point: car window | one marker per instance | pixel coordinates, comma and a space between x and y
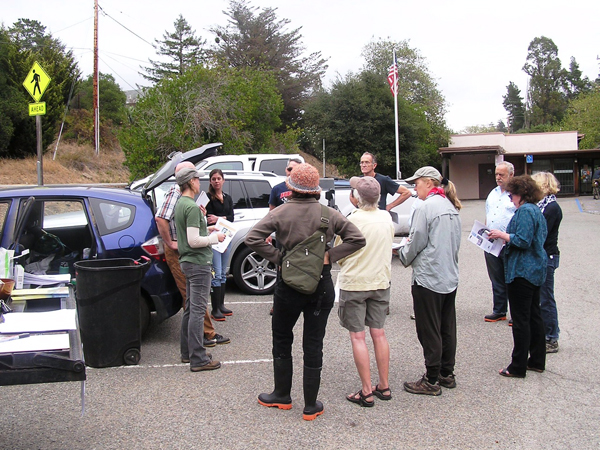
112, 216
63, 214
238, 195
258, 192
273, 165
225, 165
3, 211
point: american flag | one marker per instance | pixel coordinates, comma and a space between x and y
393, 77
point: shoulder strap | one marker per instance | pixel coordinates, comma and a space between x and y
324, 217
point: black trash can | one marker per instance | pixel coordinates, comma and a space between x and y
108, 307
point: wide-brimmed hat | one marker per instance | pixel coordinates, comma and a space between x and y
368, 188
304, 179
426, 172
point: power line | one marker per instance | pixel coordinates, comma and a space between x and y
136, 35
115, 72
70, 26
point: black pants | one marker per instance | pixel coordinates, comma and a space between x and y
528, 327
435, 318
288, 304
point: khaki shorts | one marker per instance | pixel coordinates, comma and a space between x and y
363, 308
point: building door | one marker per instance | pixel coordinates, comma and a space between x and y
487, 179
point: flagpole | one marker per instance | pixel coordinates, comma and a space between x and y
398, 173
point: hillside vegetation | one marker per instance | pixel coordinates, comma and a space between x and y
77, 164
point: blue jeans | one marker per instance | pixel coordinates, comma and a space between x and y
288, 304
220, 266
495, 268
547, 301
197, 281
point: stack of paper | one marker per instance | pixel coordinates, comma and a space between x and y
45, 280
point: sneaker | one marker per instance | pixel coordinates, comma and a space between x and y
210, 342
221, 339
551, 346
494, 317
210, 366
448, 382
423, 386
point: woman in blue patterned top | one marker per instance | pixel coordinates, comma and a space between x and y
525, 271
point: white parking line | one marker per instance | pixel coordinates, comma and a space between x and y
160, 366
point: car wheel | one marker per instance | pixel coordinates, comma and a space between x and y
253, 274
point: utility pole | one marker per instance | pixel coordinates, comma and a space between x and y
95, 83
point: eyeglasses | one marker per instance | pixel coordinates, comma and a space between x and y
510, 196
365, 163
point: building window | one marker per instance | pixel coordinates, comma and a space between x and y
563, 171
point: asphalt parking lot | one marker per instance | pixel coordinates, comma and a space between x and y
161, 404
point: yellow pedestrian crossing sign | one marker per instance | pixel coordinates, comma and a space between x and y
36, 82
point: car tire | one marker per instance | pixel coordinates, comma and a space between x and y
253, 274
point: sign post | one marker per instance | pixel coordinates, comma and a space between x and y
36, 83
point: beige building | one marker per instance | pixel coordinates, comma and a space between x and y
470, 159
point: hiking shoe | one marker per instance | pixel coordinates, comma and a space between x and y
210, 342
551, 346
221, 339
448, 382
494, 317
210, 366
423, 386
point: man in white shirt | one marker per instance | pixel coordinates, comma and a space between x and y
499, 209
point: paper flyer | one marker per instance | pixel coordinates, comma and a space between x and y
479, 236
229, 229
202, 199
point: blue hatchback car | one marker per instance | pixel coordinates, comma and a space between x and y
60, 225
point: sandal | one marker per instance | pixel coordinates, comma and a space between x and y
506, 373
379, 393
362, 399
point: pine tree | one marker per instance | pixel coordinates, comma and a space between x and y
181, 47
513, 104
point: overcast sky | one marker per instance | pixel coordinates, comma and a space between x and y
473, 48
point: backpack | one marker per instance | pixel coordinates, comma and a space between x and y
301, 267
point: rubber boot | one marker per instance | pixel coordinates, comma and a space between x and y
280, 397
215, 299
224, 311
312, 382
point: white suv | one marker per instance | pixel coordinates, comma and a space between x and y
250, 192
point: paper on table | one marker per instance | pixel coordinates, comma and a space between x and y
229, 229
44, 280
37, 343
38, 322
26, 294
479, 236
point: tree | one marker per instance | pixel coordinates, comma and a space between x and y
575, 84
258, 39
357, 114
513, 104
181, 47
583, 115
23, 43
546, 87
238, 107
112, 99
